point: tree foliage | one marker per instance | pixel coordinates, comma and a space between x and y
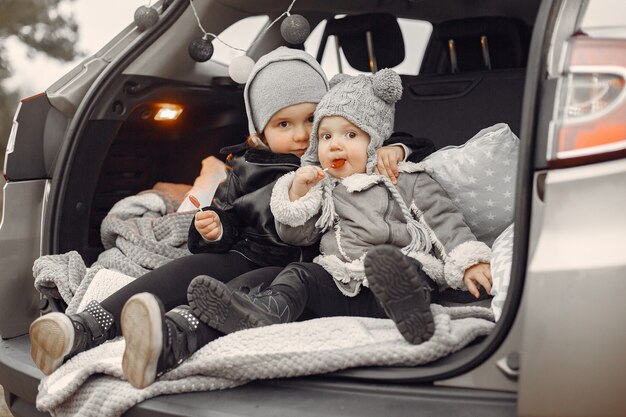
44, 26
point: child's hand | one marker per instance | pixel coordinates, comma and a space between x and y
478, 275
388, 158
304, 180
208, 224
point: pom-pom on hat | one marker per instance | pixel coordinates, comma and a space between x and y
367, 101
280, 79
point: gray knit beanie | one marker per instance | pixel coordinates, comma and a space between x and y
280, 79
367, 101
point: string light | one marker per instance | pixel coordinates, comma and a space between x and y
145, 17
294, 29
240, 68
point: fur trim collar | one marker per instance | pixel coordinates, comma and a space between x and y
411, 167
360, 182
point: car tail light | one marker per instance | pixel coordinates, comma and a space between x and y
589, 121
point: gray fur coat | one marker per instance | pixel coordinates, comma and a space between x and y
367, 215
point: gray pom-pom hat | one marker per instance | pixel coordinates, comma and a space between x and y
280, 79
367, 101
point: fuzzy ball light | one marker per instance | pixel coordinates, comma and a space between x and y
200, 49
295, 29
145, 17
240, 68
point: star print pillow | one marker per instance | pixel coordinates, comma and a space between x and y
479, 176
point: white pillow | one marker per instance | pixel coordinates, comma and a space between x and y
501, 257
479, 176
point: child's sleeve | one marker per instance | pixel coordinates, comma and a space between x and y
453, 241
295, 220
418, 148
225, 195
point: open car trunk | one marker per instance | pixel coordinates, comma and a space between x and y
118, 150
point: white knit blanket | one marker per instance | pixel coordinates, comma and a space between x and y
92, 384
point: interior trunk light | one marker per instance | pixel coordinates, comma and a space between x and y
590, 115
168, 112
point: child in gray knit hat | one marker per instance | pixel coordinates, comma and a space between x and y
336, 199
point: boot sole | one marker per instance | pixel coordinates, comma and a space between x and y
394, 281
213, 303
51, 339
142, 327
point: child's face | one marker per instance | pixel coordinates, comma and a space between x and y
341, 141
289, 129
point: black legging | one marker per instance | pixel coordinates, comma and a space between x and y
170, 281
309, 286
312, 292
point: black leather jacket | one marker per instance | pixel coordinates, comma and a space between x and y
242, 202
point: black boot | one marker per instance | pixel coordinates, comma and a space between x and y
229, 310
155, 342
403, 289
56, 337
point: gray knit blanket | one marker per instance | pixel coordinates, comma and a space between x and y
92, 384
139, 234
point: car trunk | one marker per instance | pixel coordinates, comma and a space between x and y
119, 150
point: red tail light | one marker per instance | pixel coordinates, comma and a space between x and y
589, 121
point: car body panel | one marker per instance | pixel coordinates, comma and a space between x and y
574, 338
20, 233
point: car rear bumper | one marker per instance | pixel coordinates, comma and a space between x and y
311, 396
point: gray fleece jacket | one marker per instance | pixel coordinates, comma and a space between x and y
368, 214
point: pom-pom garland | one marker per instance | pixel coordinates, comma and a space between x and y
240, 68
294, 29
145, 17
200, 49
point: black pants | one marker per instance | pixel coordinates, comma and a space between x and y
311, 292
309, 286
169, 282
